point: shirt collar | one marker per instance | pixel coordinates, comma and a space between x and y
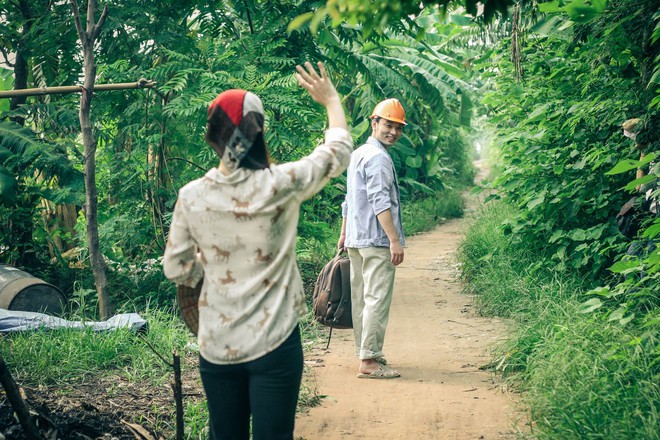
238, 175
373, 141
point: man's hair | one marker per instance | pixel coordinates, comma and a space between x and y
378, 118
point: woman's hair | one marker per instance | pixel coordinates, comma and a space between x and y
236, 117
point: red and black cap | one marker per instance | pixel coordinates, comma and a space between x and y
236, 119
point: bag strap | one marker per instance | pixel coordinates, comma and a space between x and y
329, 337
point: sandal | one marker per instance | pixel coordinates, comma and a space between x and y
381, 373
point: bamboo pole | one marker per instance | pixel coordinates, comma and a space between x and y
140, 84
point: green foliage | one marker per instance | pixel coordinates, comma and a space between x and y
427, 75
502, 272
582, 377
578, 11
196, 415
32, 168
584, 302
634, 293
6, 83
374, 16
24, 154
558, 138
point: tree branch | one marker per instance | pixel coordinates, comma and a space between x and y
76, 16
142, 83
99, 24
186, 160
91, 9
249, 17
155, 351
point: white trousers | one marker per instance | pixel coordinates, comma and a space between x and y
372, 283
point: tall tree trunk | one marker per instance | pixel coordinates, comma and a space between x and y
21, 62
23, 230
156, 181
88, 38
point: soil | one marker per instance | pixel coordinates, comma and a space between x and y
105, 408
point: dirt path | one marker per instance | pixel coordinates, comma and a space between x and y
437, 343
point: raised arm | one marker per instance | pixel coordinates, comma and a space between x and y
322, 91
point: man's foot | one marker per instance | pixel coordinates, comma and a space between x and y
375, 369
381, 373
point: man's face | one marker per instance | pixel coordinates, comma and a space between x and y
387, 132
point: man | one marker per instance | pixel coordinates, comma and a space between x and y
372, 233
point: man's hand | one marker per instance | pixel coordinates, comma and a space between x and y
396, 252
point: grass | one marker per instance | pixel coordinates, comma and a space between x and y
425, 214
583, 377
64, 356
589, 382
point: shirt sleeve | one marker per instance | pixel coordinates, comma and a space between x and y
180, 262
310, 174
379, 179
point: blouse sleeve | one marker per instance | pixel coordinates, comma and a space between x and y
180, 262
328, 160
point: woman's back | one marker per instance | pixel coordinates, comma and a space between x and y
235, 229
244, 227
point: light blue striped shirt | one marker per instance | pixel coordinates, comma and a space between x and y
372, 187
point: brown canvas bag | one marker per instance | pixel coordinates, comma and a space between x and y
331, 301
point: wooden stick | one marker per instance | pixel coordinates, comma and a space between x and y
140, 84
178, 396
17, 402
177, 387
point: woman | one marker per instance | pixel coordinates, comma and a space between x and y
236, 229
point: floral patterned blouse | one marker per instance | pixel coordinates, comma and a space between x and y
238, 232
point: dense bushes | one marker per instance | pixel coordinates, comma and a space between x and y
585, 343
581, 376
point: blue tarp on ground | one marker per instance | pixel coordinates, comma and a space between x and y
15, 321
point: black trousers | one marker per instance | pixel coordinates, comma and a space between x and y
266, 388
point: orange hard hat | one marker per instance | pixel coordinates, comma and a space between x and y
390, 109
